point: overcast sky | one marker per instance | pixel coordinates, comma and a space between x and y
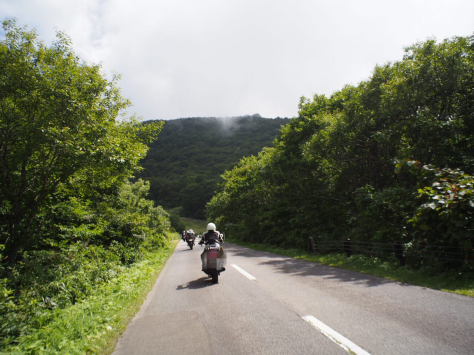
201, 58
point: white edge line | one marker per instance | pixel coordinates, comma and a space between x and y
335, 336
243, 272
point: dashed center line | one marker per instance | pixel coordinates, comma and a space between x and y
243, 272
335, 336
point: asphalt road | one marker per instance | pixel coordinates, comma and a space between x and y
292, 307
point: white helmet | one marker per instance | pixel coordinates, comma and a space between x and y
211, 227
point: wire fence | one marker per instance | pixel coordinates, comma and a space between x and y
405, 253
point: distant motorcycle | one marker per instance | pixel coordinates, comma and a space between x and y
213, 260
190, 240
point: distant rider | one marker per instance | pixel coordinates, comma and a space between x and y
189, 234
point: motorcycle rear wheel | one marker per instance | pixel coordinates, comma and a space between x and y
215, 276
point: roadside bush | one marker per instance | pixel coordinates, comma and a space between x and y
48, 280
89, 326
176, 223
446, 212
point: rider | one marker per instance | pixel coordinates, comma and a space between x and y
211, 236
189, 233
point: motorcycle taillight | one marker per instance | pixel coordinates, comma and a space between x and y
212, 253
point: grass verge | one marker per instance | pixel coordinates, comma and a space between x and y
457, 282
94, 325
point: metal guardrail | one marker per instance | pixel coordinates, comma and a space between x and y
402, 252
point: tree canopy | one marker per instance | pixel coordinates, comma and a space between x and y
185, 164
61, 129
390, 159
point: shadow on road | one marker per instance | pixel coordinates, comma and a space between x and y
296, 267
196, 284
186, 247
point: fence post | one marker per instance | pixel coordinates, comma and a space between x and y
398, 248
311, 245
347, 247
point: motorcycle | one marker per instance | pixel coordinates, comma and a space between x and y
214, 260
190, 240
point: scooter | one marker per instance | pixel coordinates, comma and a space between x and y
214, 260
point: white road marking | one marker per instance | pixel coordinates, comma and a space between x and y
335, 336
243, 272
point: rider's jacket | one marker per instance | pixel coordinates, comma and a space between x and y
211, 237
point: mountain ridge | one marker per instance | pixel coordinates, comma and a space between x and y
184, 164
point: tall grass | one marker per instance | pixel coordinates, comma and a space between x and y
93, 325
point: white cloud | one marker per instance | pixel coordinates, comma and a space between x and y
183, 58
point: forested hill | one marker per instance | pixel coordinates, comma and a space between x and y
185, 163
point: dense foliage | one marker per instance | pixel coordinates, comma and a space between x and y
70, 219
185, 164
390, 159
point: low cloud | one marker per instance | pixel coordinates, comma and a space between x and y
188, 58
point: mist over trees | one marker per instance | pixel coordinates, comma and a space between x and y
390, 159
185, 164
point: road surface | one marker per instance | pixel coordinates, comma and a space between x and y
270, 304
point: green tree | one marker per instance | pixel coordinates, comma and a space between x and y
61, 127
349, 165
446, 215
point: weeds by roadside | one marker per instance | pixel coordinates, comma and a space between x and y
93, 325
